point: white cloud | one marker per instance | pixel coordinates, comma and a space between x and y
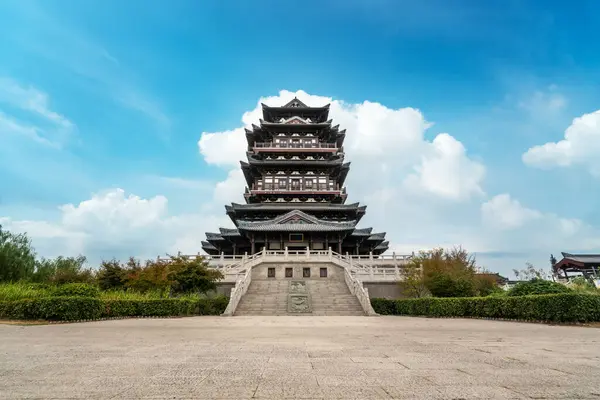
544, 103
580, 146
381, 142
510, 225
446, 171
224, 149
44, 125
113, 224
503, 212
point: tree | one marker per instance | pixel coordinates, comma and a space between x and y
487, 284
111, 275
17, 257
151, 277
71, 270
192, 275
412, 282
530, 273
552, 261
448, 273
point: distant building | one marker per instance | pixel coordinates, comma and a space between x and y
587, 265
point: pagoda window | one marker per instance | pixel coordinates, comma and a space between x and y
322, 183
308, 183
282, 183
296, 237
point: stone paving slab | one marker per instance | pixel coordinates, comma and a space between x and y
299, 358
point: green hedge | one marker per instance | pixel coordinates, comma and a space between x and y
76, 289
52, 308
567, 307
83, 308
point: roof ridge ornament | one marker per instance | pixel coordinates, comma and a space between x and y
295, 103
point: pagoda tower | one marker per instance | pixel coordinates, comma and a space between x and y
295, 196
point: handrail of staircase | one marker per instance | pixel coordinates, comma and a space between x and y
240, 289
356, 287
241, 284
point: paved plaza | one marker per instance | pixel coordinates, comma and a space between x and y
299, 357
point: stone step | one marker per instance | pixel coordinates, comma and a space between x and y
328, 296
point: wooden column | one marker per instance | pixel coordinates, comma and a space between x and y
234, 249
339, 244
253, 248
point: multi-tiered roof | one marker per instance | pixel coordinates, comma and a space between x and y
295, 195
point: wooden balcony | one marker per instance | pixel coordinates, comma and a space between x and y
296, 190
295, 147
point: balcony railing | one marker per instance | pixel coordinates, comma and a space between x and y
284, 145
297, 189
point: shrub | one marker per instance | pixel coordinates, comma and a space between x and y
80, 308
564, 307
212, 305
445, 273
164, 307
21, 290
538, 286
52, 308
76, 289
62, 270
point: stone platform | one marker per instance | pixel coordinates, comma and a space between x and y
299, 357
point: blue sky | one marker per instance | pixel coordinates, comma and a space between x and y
103, 107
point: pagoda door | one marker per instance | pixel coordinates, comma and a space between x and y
295, 184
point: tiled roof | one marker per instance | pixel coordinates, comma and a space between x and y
296, 221
383, 246
377, 236
362, 232
208, 246
229, 232
294, 206
582, 258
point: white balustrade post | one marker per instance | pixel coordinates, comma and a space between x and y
397, 272
222, 257
243, 261
264, 252
307, 252
285, 253
330, 254
370, 256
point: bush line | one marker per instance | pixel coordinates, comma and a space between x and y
566, 307
88, 308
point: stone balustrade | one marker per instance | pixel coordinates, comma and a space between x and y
366, 268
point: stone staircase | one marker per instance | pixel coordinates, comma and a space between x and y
271, 296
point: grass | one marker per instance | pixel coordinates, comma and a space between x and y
19, 291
